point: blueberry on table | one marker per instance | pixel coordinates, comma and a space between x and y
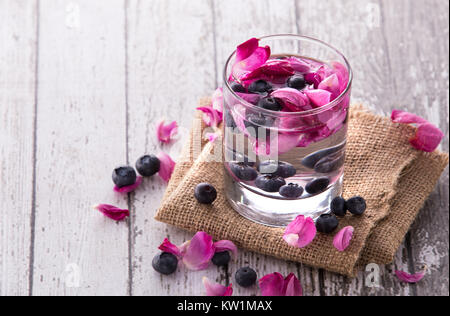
259, 86
205, 193
148, 165
327, 223
165, 263
124, 176
317, 186
338, 206
246, 277
296, 82
291, 191
243, 171
269, 183
237, 87
221, 259
269, 103
356, 205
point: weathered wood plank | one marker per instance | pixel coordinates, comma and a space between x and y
17, 100
80, 139
170, 66
237, 21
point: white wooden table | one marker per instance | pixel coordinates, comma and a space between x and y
84, 82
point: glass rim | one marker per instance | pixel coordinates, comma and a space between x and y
301, 113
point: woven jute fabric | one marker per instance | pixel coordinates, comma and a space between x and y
394, 178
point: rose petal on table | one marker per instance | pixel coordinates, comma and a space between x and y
318, 97
292, 286
225, 245
112, 211
211, 117
403, 117
410, 278
216, 289
167, 165
198, 252
342, 239
129, 188
167, 246
300, 232
272, 285
217, 100
166, 132
292, 99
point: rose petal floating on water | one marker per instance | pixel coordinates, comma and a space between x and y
166, 132
342, 239
129, 188
313, 78
211, 117
427, 137
217, 100
299, 65
249, 97
318, 97
215, 289
276, 285
246, 49
112, 212
301, 232
271, 70
410, 278
342, 74
253, 62
166, 166
331, 84
293, 99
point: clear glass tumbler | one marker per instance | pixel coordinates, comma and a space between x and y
301, 151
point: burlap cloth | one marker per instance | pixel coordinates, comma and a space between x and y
381, 166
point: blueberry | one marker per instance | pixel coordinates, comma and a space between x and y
148, 165
256, 123
165, 263
237, 87
330, 163
269, 183
221, 259
317, 186
286, 170
356, 205
338, 207
327, 223
269, 103
260, 86
282, 169
242, 171
291, 191
246, 277
124, 176
205, 193
296, 82
238, 157
311, 160
268, 167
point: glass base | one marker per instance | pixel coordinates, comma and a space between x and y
278, 212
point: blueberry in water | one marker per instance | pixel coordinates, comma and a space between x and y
330, 163
259, 86
246, 277
256, 123
269, 183
291, 191
338, 206
205, 193
221, 259
317, 186
243, 171
268, 167
124, 176
311, 160
327, 223
148, 165
282, 169
286, 170
165, 263
237, 87
269, 103
356, 205
296, 82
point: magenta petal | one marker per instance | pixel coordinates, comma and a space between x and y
165, 133
313, 78
272, 285
129, 188
271, 70
342, 74
292, 286
299, 65
166, 166
215, 289
398, 116
427, 138
331, 84
211, 117
318, 97
246, 49
410, 278
301, 232
112, 212
292, 99
217, 100
258, 58
198, 252
342, 239
250, 97
225, 245
167, 246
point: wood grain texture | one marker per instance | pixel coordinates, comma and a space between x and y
81, 137
17, 100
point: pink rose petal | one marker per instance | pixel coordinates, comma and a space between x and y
271, 70
217, 100
211, 117
318, 97
299, 65
275, 285
313, 78
225, 245
246, 49
198, 252
167, 165
112, 212
398, 116
167, 246
253, 62
410, 278
215, 289
166, 132
342, 239
301, 232
292, 286
331, 84
342, 74
293, 99
129, 188
250, 97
